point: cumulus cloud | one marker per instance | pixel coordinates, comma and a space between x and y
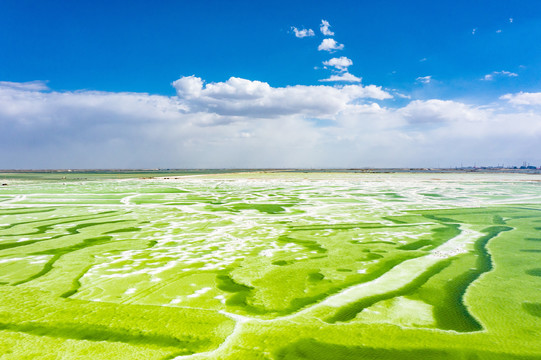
330, 45
324, 27
242, 97
188, 86
424, 79
245, 123
492, 75
345, 77
523, 98
303, 32
342, 63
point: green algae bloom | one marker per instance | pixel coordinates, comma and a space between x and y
271, 266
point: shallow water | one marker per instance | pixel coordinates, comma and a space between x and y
437, 262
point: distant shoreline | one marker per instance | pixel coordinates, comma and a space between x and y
486, 170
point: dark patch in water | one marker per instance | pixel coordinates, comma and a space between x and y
128, 229
311, 349
308, 244
315, 276
371, 256
534, 272
281, 263
415, 245
441, 219
497, 219
99, 333
532, 308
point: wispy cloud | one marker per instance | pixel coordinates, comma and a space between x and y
494, 74
474, 31
424, 79
330, 45
343, 77
400, 95
37, 85
438, 111
303, 32
324, 28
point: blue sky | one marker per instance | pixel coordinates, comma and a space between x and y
411, 67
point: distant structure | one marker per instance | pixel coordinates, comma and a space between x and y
525, 166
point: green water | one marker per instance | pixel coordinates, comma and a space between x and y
270, 266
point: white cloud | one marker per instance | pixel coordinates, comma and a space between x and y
244, 123
324, 27
344, 77
498, 31
37, 85
303, 32
400, 95
510, 20
188, 86
438, 111
494, 74
330, 45
241, 97
474, 31
342, 63
523, 98
506, 73
424, 79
